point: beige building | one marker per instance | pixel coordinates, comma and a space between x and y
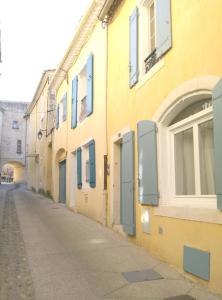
13, 140
39, 137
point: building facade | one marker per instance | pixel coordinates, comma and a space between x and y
134, 123
13, 140
164, 120
39, 138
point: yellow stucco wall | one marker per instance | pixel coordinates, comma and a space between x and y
195, 53
39, 150
89, 201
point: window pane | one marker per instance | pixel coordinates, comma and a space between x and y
184, 163
206, 143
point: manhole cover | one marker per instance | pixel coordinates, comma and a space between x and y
144, 275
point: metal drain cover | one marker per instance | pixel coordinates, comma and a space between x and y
144, 275
181, 297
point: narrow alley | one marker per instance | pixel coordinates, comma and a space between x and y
48, 252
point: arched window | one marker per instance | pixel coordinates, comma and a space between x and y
187, 137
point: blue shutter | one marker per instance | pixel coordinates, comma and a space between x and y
89, 95
74, 102
92, 164
57, 116
217, 114
163, 26
147, 163
127, 183
79, 168
64, 107
133, 63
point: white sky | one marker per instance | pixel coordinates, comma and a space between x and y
35, 36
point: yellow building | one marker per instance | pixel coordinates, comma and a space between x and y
39, 138
164, 112
79, 145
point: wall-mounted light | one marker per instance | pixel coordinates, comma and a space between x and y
40, 133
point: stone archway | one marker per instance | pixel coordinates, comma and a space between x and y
13, 171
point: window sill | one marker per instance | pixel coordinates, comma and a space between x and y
206, 215
143, 79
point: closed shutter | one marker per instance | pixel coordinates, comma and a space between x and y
57, 116
217, 117
133, 59
79, 168
74, 102
163, 26
127, 183
92, 164
64, 107
89, 95
147, 163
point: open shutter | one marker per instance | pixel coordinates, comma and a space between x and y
147, 163
92, 165
89, 95
79, 168
127, 183
64, 107
133, 63
74, 102
217, 117
163, 26
57, 116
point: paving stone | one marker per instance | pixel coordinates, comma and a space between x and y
143, 275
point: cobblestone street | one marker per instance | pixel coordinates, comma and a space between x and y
15, 276
49, 253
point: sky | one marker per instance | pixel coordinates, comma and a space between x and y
35, 35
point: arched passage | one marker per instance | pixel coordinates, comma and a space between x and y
13, 171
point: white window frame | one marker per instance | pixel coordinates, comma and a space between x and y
144, 32
82, 93
168, 187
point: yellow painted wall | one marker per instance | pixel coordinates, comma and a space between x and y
196, 52
39, 152
90, 201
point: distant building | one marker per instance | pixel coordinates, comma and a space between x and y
13, 139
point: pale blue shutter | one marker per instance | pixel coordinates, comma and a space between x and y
79, 168
133, 59
74, 102
127, 183
147, 163
92, 164
217, 117
89, 95
64, 107
163, 26
57, 116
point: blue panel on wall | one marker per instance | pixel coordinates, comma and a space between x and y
196, 262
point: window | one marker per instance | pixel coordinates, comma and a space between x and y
191, 149
150, 36
19, 146
82, 94
15, 125
86, 170
82, 91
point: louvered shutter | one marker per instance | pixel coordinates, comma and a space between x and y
92, 164
133, 59
89, 95
217, 117
74, 102
147, 163
79, 168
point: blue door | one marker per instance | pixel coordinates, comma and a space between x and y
62, 181
127, 214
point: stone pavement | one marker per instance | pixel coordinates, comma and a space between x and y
72, 257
